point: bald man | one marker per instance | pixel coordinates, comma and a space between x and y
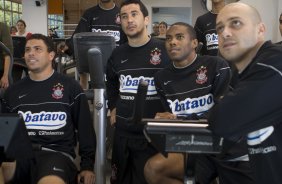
252, 110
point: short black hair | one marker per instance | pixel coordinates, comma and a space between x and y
143, 8
48, 41
191, 31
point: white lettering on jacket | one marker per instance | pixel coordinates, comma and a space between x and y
130, 84
44, 120
192, 105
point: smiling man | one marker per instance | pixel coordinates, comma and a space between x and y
188, 88
54, 109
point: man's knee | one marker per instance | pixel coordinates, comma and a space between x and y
51, 179
154, 169
154, 165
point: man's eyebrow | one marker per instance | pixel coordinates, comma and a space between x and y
133, 11
229, 19
179, 34
34, 46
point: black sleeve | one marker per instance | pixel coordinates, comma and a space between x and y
4, 106
254, 104
84, 124
112, 84
199, 32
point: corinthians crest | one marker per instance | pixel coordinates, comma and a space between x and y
156, 56
201, 75
58, 91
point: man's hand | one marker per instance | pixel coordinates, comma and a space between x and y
4, 83
113, 116
88, 177
165, 115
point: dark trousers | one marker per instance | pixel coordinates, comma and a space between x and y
129, 157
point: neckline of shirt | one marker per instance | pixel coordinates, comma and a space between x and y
181, 67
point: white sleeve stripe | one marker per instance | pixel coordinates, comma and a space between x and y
271, 67
225, 68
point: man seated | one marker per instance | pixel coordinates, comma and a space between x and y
54, 109
188, 88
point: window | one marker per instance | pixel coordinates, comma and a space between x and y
10, 12
56, 23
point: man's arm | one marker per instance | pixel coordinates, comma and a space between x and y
4, 83
7, 41
86, 135
112, 85
252, 105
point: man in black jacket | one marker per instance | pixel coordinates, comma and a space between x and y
252, 110
102, 18
54, 109
188, 88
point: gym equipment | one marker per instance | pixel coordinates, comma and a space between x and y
182, 136
92, 51
14, 140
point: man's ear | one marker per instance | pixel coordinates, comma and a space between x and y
52, 55
147, 20
194, 43
261, 29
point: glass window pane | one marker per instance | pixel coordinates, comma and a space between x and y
20, 8
7, 5
1, 4
2, 17
8, 18
15, 18
15, 7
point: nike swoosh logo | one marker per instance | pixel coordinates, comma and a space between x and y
208, 24
95, 18
21, 96
123, 61
165, 83
58, 169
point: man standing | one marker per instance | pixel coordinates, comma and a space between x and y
205, 29
139, 59
155, 29
6, 39
54, 109
102, 18
188, 88
252, 111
